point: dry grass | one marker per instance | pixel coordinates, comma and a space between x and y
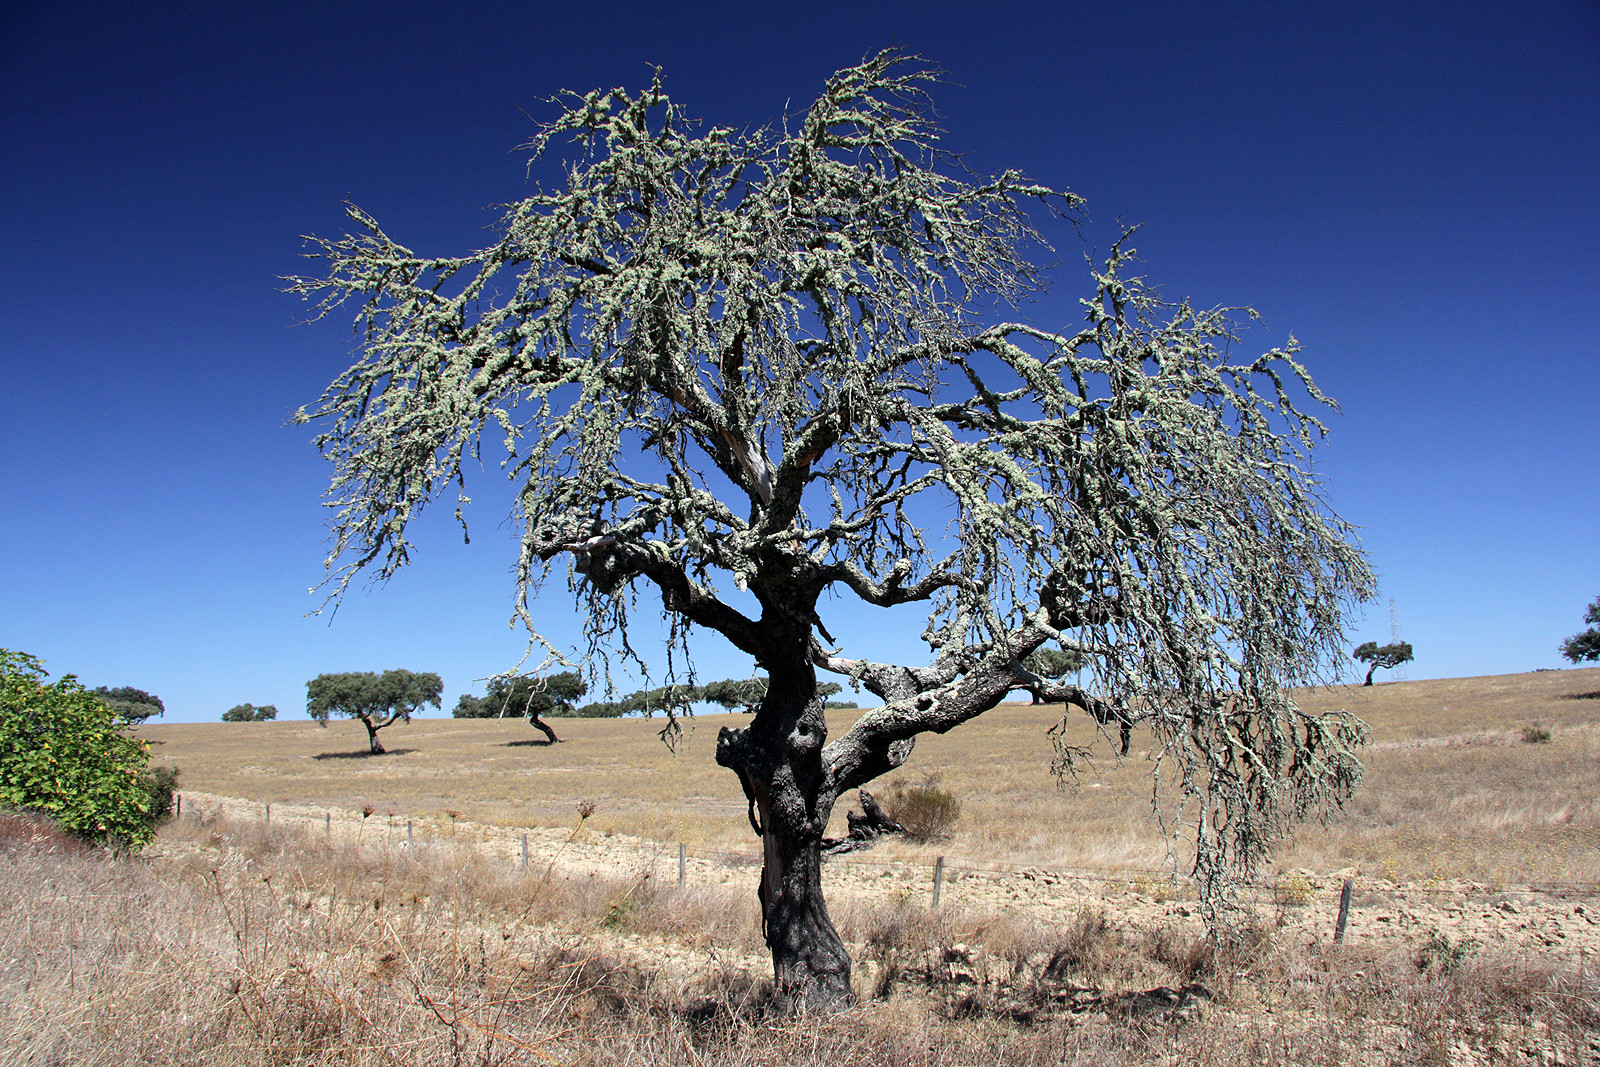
1451, 790
237, 943
245, 945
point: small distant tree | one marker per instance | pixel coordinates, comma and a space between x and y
1586, 645
773, 362
250, 713
378, 700
526, 696
1382, 656
1052, 665
132, 704
66, 752
743, 694
602, 709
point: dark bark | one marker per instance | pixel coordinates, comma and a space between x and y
1370, 671
372, 737
544, 727
778, 759
865, 829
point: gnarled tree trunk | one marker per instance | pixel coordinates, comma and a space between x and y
372, 737
778, 759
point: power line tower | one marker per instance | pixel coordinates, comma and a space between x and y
1394, 638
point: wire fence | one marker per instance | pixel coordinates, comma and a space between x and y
1163, 882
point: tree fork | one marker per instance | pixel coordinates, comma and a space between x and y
375, 746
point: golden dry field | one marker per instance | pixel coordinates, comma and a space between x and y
328, 936
1452, 790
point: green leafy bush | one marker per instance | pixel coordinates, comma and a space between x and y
927, 811
1537, 734
66, 753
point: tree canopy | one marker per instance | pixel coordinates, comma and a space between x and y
1585, 645
250, 713
1386, 656
742, 694
523, 696
767, 374
378, 700
132, 704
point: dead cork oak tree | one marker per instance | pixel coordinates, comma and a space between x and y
753, 369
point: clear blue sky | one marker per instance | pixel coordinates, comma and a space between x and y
1412, 189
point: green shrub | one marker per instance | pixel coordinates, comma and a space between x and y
1537, 734
64, 752
927, 811
1439, 953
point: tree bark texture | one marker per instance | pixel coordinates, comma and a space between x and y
377, 748
544, 728
778, 759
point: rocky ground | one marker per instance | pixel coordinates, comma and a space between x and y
1557, 924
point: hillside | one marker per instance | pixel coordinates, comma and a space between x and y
1452, 790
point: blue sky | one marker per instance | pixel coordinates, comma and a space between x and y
1408, 188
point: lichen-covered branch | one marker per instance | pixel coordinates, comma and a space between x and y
769, 360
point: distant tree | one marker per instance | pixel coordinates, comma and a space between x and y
526, 696
735, 694
773, 359
602, 709
743, 694
1585, 645
66, 752
132, 704
1382, 656
1052, 665
250, 713
376, 699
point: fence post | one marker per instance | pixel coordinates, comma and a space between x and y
683, 867
410, 841
524, 851
269, 814
1344, 911
178, 799
938, 876
327, 823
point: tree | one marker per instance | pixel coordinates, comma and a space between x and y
1052, 664
1385, 656
250, 713
1585, 645
751, 370
523, 695
132, 704
376, 699
66, 752
743, 694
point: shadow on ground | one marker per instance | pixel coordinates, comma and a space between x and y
538, 742
363, 755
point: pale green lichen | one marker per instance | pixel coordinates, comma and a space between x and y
754, 358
